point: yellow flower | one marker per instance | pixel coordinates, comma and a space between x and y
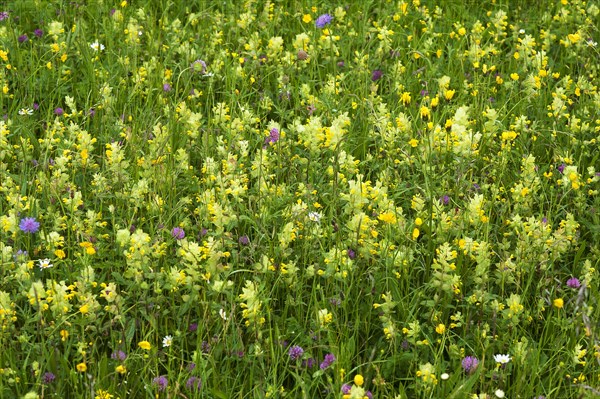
413, 143
84, 309
558, 303
358, 380
514, 76
81, 367
89, 247
121, 369
415, 233
440, 329
145, 345
306, 18
102, 394
387, 217
64, 334
405, 99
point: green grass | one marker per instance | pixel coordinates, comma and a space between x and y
228, 193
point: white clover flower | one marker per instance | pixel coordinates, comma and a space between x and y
45, 264
167, 341
97, 46
499, 393
502, 359
445, 376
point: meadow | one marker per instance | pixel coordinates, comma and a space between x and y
295, 199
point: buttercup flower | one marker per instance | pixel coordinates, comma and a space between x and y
144, 345
358, 380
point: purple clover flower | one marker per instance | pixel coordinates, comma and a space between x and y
296, 352
323, 20
351, 254
329, 359
346, 388
205, 347
38, 32
166, 87
469, 364
161, 382
59, 111
193, 383
561, 167
309, 363
29, 225
178, 233
3, 15
22, 38
199, 66
120, 355
48, 378
573, 282
445, 200
273, 136
376, 75
244, 240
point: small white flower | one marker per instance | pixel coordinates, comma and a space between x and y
167, 341
96, 46
223, 314
45, 264
502, 359
522, 31
315, 216
499, 393
25, 111
445, 376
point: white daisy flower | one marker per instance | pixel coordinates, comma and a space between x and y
502, 359
45, 264
96, 46
167, 341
